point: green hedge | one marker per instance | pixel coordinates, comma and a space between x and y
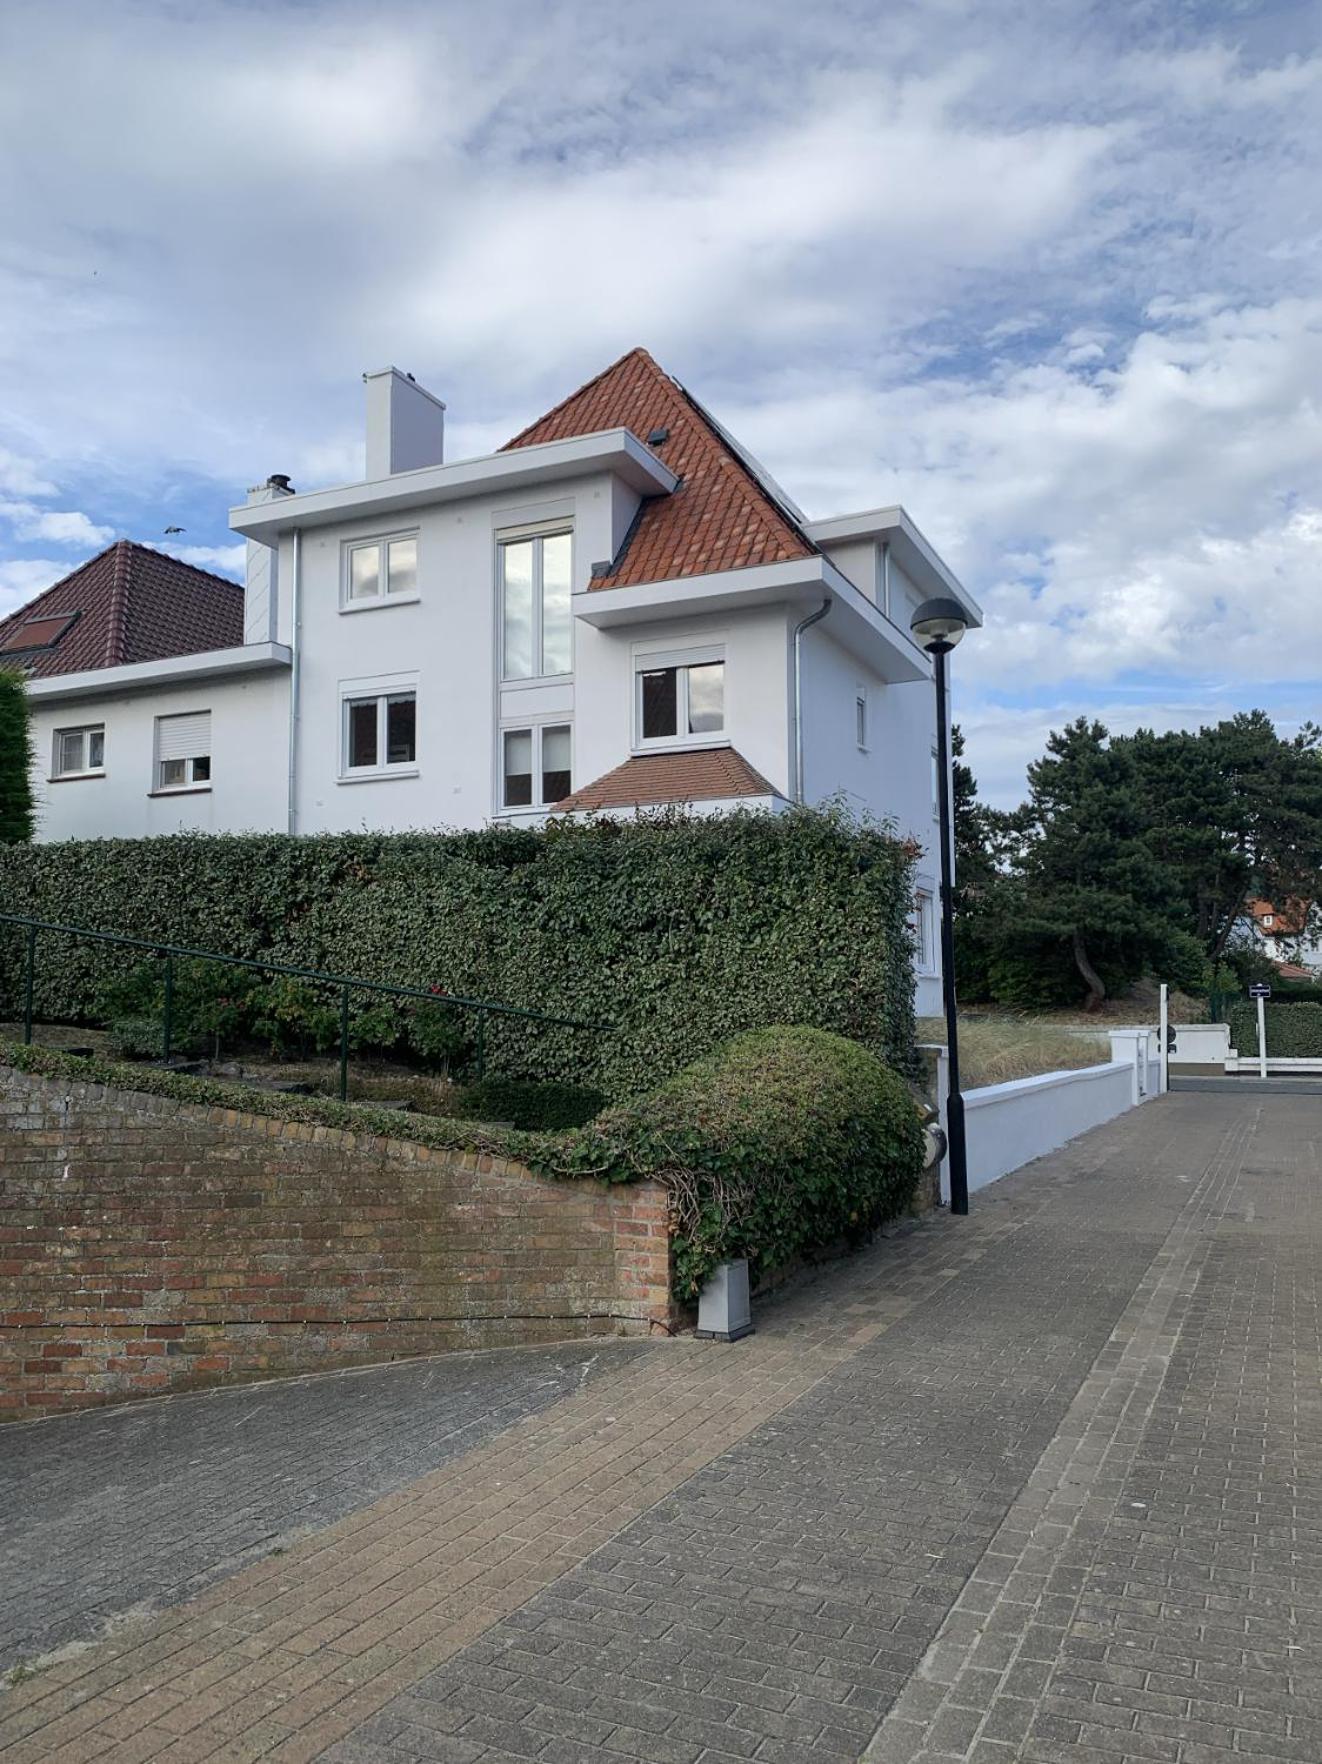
677, 931
781, 1141
1294, 1031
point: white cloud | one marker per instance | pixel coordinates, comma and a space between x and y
60, 526
227, 560
22, 577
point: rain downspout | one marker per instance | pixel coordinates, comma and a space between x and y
296, 609
886, 577
799, 629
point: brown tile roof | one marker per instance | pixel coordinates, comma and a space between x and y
706, 775
720, 518
1287, 921
128, 604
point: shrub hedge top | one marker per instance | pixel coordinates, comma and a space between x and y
781, 1140
678, 931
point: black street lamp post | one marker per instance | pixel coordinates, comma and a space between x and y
938, 626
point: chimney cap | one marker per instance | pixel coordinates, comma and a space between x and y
280, 481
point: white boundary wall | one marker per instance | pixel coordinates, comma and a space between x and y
1008, 1125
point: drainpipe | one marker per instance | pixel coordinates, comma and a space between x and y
886, 577
799, 629
295, 671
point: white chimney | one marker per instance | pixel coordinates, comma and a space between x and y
405, 425
261, 598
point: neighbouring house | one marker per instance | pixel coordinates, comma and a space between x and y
1290, 936
619, 609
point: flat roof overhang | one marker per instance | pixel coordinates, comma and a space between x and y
611, 450
180, 670
915, 556
804, 583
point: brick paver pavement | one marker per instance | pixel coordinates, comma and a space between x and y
1040, 1484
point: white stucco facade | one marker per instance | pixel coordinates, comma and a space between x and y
375, 688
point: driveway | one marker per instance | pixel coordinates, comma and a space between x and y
1044, 1484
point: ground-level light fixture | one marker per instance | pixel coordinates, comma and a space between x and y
937, 626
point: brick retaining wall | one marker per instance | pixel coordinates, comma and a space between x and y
149, 1245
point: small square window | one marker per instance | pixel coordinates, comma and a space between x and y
79, 752
674, 702
174, 773
380, 569
183, 751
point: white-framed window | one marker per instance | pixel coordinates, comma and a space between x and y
923, 922
861, 717
376, 571
1268, 919
378, 732
183, 752
535, 581
679, 697
536, 766
79, 753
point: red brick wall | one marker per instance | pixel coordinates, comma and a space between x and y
148, 1245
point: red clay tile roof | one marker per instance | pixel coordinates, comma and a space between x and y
1288, 921
132, 604
720, 517
707, 775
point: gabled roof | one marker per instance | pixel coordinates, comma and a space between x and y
723, 516
128, 604
1287, 921
709, 774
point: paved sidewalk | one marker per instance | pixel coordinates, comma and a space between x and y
1044, 1484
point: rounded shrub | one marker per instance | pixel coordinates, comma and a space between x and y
778, 1142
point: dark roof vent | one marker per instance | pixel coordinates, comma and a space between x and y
280, 481
657, 437
603, 568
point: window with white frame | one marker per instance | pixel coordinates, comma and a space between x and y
183, 752
535, 766
679, 697
80, 753
923, 922
379, 570
535, 619
861, 717
379, 733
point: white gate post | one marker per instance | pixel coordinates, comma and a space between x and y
1163, 1052
1262, 1036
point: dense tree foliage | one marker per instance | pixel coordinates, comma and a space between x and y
1132, 855
16, 812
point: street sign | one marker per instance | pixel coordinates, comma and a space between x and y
1260, 989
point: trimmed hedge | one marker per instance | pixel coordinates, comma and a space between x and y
781, 1141
677, 931
1294, 1031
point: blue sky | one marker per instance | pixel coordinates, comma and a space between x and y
1047, 273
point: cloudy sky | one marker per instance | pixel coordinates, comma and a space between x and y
1047, 272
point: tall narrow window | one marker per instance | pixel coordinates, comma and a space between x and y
380, 733
535, 602
861, 719
535, 766
680, 700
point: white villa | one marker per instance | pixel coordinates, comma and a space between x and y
618, 609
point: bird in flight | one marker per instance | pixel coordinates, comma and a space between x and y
170, 530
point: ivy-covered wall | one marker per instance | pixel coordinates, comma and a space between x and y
676, 931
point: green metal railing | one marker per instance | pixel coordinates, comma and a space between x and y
169, 953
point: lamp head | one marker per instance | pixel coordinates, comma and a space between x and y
938, 625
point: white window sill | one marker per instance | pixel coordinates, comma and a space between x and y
76, 777
682, 743
379, 774
182, 790
378, 601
